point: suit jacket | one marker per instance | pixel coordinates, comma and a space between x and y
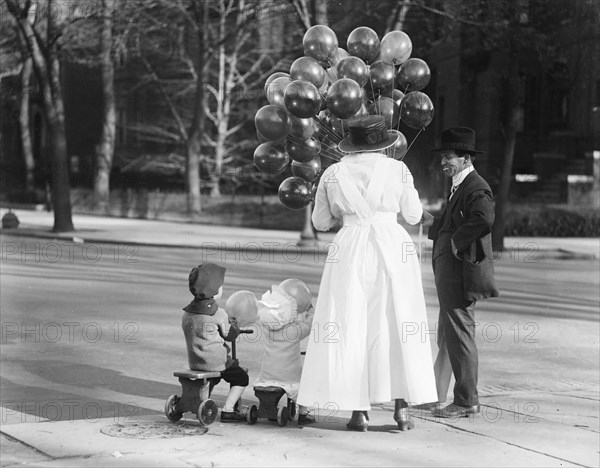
468, 219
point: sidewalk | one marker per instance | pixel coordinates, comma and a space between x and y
527, 425
97, 229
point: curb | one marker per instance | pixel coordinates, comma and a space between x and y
302, 244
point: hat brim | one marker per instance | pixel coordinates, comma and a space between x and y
346, 146
468, 150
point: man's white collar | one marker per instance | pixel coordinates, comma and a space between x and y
458, 178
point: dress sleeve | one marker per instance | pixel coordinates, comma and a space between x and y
322, 218
410, 204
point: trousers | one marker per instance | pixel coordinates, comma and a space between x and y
456, 325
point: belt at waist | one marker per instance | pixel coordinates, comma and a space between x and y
378, 217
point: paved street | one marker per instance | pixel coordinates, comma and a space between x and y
91, 336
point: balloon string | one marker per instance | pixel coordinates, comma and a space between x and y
411, 143
326, 150
329, 132
330, 157
332, 68
334, 136
330, 152
374, 100
325, 128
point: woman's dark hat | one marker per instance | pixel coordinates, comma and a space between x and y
368, 133
204, 281
459, 138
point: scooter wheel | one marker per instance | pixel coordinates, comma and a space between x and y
170, 411
292, 410
252, 415
283, 416
207, 412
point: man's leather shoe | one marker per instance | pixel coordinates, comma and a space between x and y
358, 421
427, 406
455, 411
231, 416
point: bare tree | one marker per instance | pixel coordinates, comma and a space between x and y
106, 147
25, 122
42, 42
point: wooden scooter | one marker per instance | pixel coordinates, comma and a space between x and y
196, 388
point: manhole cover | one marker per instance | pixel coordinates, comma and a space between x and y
153, 430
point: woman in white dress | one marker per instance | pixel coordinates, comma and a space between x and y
369, 341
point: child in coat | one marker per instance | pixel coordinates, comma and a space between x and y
204, 325
285, 327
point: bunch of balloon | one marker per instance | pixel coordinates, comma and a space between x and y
310, 107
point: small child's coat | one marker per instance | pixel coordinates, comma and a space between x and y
283, 332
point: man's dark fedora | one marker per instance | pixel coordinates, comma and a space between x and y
459, 138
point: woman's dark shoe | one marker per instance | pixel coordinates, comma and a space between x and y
304, 419
401, 416
358, 421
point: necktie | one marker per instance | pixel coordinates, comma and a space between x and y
452, 190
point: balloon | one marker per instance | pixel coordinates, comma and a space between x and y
302, 99
307, 69
413, 75
299, 291
243, 306
313, 190
272, 122
301, 128
263, 139
320, 43
276, 89
294, 193
396, 47
416, 110
271, 158
344, 98
331, 76
273, 77
308, 170
303, 151
388, 108
363, 43
382, 75
397, 96
339, 56
355, 69
399, 149
338, 125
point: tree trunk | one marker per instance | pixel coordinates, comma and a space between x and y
308, 234
194, 142
194, 148
47, 70
24, 124
61, 189
106, 147
222, 116
215, 177
512, 118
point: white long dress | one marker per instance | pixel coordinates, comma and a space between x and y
369, 341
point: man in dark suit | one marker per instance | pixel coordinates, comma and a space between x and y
462, 265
